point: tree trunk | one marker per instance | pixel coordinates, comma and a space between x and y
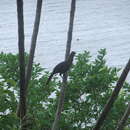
25, 77
22, 101
33, 46
122, 122
63, 87
113, 97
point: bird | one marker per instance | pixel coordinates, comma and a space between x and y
62, 67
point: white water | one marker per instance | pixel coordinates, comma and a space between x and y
98, 24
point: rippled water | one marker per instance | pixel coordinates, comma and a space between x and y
98, 24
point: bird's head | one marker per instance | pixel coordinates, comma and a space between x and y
71, 56
73, 53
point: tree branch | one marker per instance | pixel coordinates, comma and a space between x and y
63, 87
21, 57
27, 75
33, 41
122, 122
113, 97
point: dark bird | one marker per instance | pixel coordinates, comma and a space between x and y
62, 67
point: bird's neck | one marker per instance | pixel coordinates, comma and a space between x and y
70, 59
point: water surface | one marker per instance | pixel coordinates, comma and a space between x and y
98, 24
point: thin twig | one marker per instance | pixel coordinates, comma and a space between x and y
122, 122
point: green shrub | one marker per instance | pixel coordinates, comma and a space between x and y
90, 85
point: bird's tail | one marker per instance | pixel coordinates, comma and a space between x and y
50, 77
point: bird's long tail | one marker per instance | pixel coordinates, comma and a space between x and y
50, 77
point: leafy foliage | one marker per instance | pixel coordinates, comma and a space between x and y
90, 85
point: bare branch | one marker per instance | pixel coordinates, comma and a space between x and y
21, 57
70, 31
27, 75
33, 41
122, 122
113, 97
63, 87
